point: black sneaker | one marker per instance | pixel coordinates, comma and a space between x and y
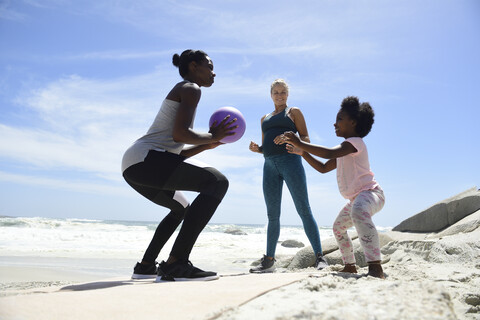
142, 271
320, 263
183, 271
266, 265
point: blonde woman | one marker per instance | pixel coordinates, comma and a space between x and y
280, 166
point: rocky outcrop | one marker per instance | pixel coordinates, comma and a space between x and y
419, 236
443, 214
292, 244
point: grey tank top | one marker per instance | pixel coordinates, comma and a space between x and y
159, 137
273, 126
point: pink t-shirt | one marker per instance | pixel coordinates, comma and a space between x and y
353, 171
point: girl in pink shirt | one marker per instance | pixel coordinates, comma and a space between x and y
356, 181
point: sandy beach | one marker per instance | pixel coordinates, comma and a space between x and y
429, 275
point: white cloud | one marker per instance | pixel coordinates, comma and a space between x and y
62, 184
82, 125
118, 55
7, 13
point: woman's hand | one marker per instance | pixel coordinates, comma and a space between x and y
223, 129
254, 147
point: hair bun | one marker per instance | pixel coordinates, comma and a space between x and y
350, 102
176, 60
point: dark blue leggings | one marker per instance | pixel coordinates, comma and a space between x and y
159, 178
288, 168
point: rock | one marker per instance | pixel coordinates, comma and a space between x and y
281, 261
461, 249
236, 232
467, 224
473, 299
443, 214
405, 250
305, 258
292, 244
336, 257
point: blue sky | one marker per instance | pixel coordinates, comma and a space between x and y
81, 80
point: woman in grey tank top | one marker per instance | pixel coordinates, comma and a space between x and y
280, 166
158, 167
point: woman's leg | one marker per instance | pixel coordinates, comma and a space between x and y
138, 177
158, 178
163, 232
212, 186
272, 192
294, 175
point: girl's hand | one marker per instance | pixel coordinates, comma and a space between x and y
223, 129
254, 147
291, 138
292, 149
280, 139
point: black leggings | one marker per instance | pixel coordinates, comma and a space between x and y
159, 178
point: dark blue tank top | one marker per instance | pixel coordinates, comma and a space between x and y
273, 126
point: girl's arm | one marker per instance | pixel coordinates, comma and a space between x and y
189, 97
315, 163
319, 165
320, 151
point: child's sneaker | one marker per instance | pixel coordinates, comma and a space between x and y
143, 271
266, 265
320, 263
183, 271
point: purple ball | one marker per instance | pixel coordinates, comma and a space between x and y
221, 113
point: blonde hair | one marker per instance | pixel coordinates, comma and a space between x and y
279, 82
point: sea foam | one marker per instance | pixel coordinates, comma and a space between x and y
217, 247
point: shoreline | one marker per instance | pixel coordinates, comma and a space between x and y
429, 275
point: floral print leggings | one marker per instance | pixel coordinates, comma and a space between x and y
359, 213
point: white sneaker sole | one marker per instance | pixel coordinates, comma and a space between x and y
210, 278
321, 266
143, 276
269, 270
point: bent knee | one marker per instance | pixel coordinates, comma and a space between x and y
361, 211
217, 186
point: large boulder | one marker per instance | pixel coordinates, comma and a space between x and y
461, 248
443, 214
306, 258
467, 224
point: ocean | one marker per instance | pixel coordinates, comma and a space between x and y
111, 248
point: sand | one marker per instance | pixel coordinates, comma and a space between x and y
426, 279
429, 276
